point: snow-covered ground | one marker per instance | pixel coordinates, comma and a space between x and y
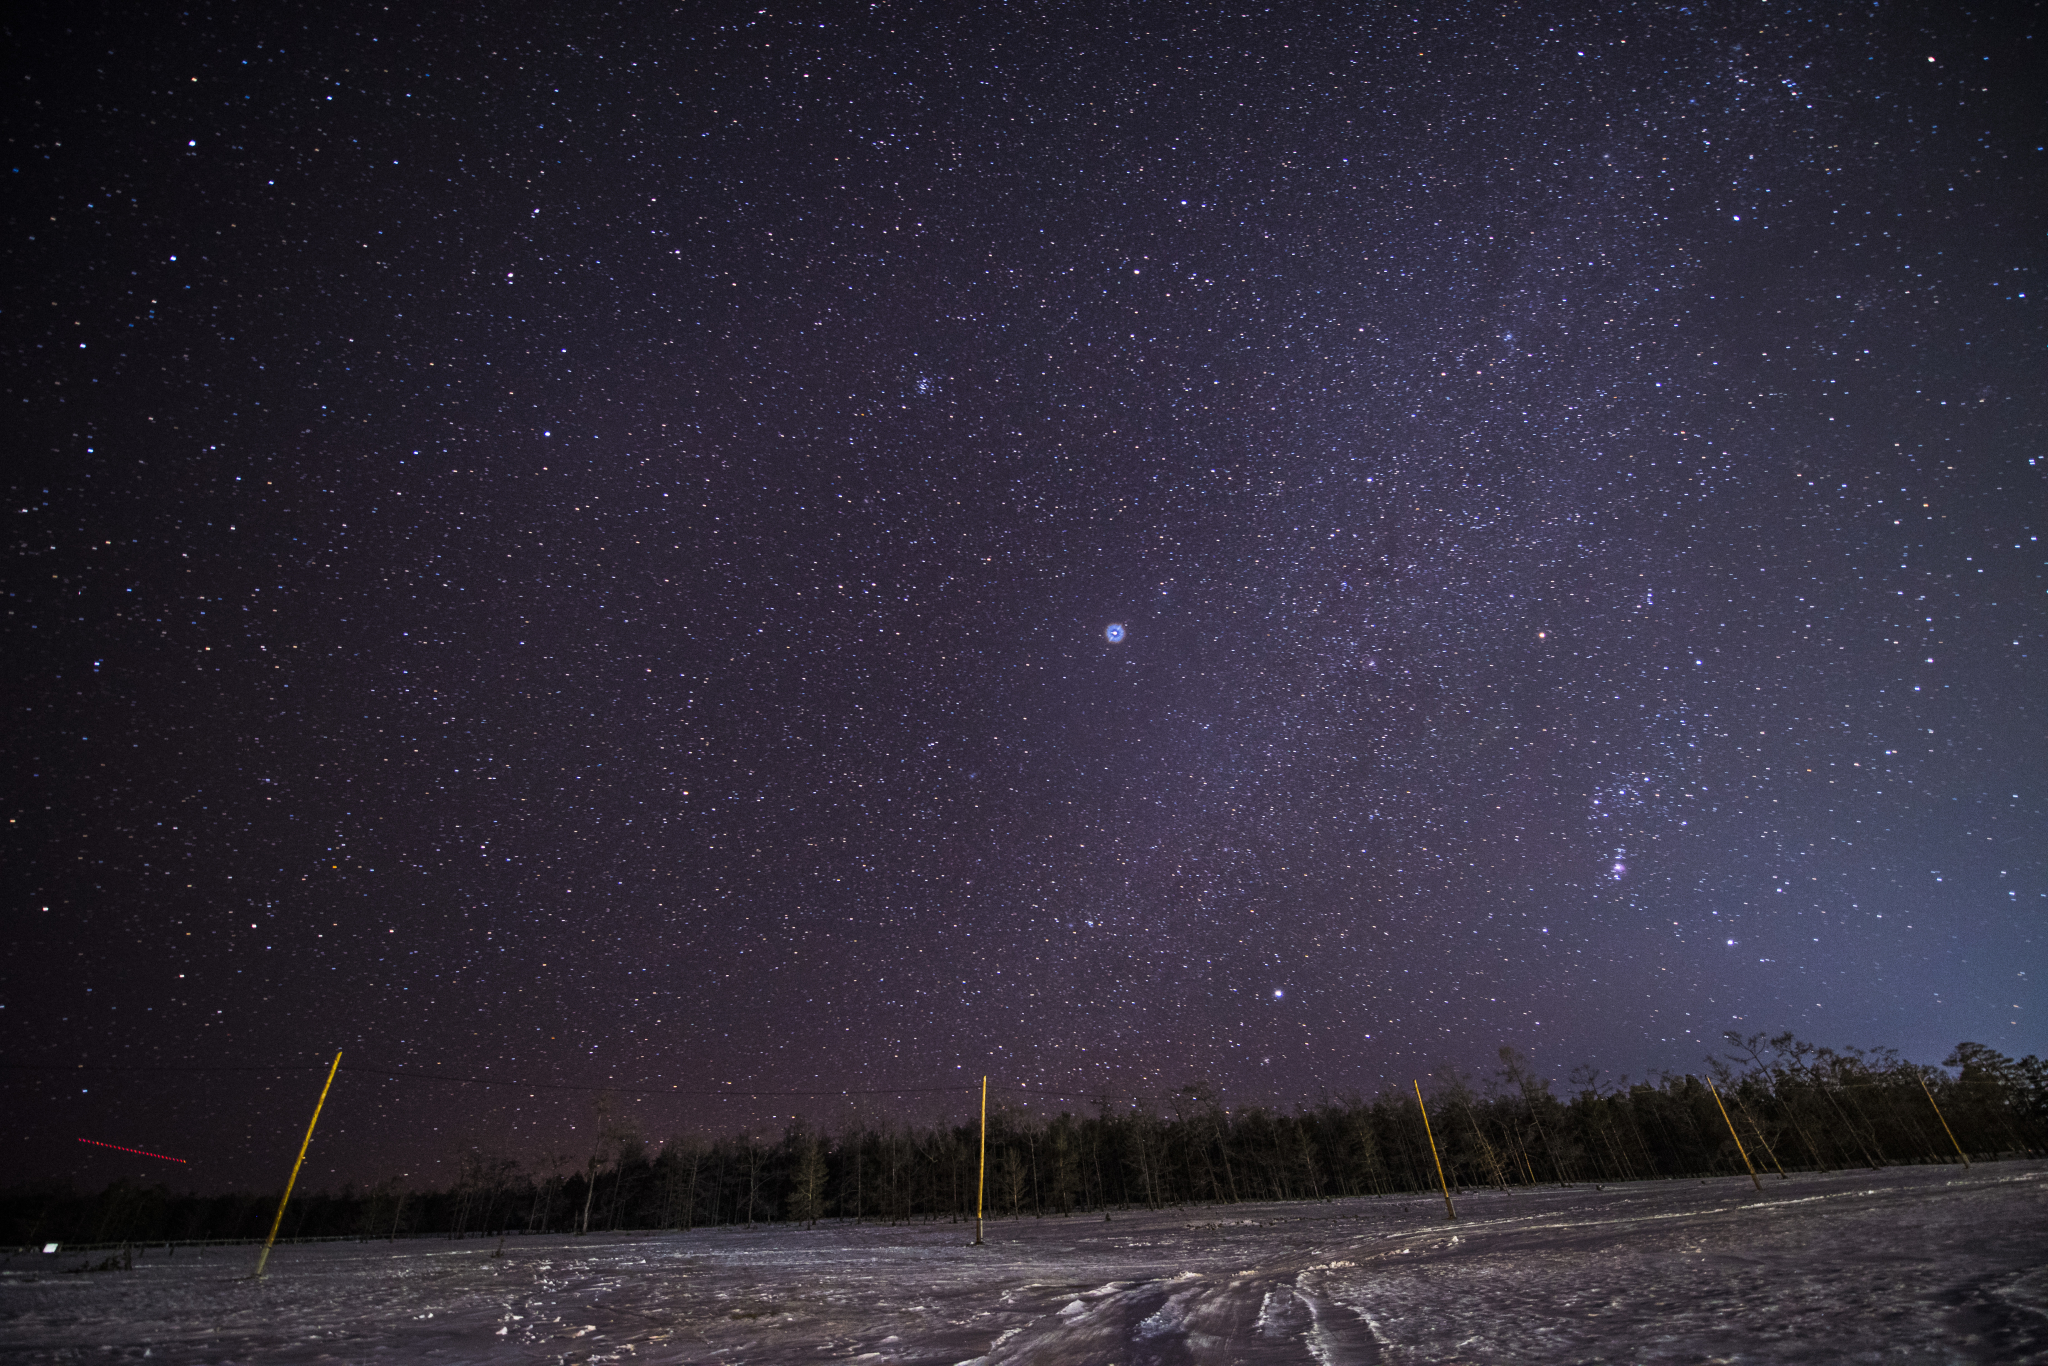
1904, 1265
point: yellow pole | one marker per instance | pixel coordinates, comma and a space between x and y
1758, 1130
981, 1177
1737, 1137
1944, 1122
263, 1260
1450, 1211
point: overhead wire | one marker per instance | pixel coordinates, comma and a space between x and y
729, 1092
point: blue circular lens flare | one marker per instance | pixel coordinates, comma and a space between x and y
1115, 633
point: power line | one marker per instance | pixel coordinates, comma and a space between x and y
730, 1092
451, 1078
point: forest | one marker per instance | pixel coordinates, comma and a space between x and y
1772, 1105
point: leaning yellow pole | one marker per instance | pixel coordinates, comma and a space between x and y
1944, 1122
1450, 1211
981, 1177
263, 1259
1732, 1134
1758, 1130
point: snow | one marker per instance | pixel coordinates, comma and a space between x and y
1930, 1264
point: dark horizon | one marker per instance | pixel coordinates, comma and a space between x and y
352, 1146
779, 550
1783, 1104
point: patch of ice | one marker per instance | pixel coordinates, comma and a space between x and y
1166, 1320
1280, 1313
1170, 1318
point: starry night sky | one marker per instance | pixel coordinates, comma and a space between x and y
583, 550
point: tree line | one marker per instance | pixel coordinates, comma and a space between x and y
1791, 1105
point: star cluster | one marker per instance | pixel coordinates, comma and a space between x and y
835, 548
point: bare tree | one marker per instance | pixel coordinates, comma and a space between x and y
553, 1158
684, 1157
807, 1173
1012, 1177
603, 1110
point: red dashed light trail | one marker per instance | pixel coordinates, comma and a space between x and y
139, 1152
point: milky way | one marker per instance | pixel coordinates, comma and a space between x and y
592, 551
